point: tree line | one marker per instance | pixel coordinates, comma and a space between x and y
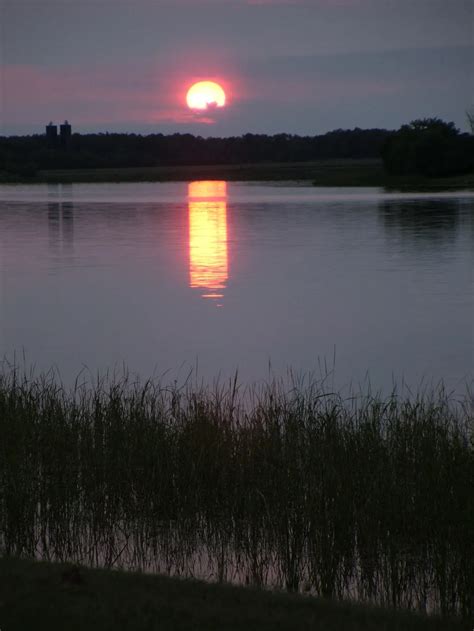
112, 150
428, 147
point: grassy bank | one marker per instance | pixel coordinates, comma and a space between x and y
321, 173
54, 597
284, 485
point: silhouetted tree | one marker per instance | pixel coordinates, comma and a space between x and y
429, 147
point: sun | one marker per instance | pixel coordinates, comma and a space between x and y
205, 95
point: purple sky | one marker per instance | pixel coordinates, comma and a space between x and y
295, 66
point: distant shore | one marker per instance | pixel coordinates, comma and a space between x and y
324, 173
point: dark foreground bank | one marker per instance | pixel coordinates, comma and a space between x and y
55, 597
284, 485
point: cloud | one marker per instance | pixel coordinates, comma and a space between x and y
107, 95
39, 93
287, 93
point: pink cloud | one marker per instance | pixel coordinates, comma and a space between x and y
140, 93
87, 95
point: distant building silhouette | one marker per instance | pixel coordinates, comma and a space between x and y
51, 133
65, 133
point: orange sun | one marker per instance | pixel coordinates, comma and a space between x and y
205, 95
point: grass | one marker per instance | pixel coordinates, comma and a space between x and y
283, 485
320, 173
54, 597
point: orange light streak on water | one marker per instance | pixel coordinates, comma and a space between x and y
208, 252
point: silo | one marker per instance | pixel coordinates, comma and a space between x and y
51, 133
65, 132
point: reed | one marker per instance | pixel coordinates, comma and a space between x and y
279, 485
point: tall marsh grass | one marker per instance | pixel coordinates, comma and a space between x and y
278, 485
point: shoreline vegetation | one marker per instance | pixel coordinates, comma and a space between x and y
54, 597
321, 173
425, 154
284, 486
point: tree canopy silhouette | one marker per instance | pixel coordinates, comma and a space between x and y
25, 154
430, 147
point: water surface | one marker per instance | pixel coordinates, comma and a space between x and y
227, 276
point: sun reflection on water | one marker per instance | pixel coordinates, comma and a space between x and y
208, 255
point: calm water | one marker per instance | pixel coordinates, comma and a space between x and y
165, 277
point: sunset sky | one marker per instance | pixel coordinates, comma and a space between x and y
295, 66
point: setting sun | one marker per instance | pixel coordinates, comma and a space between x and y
205, 95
